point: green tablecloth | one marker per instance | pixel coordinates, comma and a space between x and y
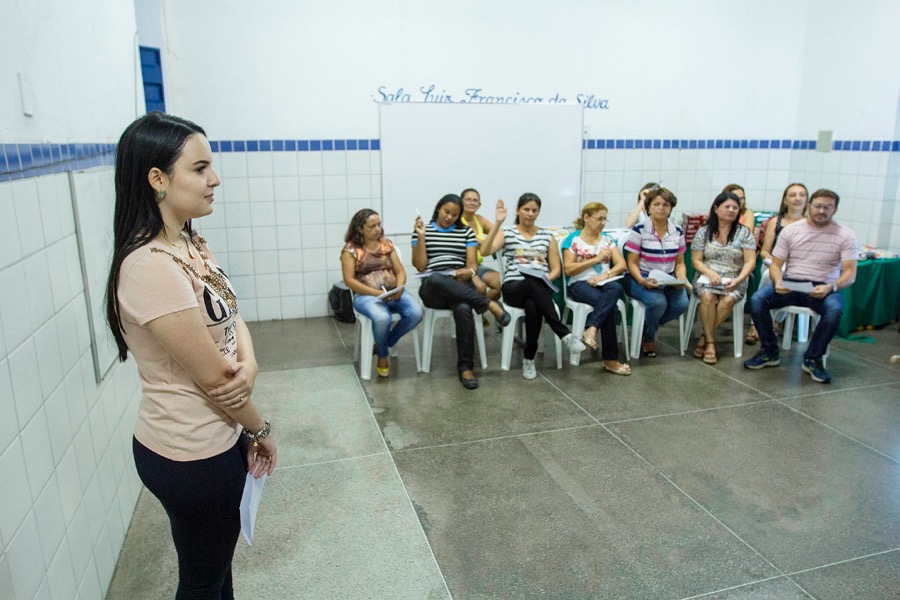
875, 297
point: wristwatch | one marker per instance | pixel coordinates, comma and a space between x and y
834, 288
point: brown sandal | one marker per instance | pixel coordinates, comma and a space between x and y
752, 337
700, 350
709, 357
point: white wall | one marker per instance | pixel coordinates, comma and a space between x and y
80, 60
65, 458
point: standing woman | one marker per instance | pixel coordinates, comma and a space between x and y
725, 252
532, 248
447, 248
471, 200
657, 244
169, 303
371, 267
589, 259
791, 210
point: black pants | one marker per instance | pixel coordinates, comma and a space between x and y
443, 292
533, 295
202, 499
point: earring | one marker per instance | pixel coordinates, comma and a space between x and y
160, 195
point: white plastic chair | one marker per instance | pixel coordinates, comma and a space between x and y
802, 315
364, 340
737, 316
639, 314
580, 312
431, 316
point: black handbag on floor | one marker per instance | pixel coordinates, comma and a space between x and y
341, 302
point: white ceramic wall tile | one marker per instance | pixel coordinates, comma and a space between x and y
317, 305
16, 502
248, 309
233, 164
336, 212
312, 188
59, 279
244, 288
288, 212
334, 163
261, 189
28, 215
240, 239
16, 313
60, 576
23, 364
6, 585
359, 186
268, 309
265, 261
265, 238
290, 261
334, 187
40, 292
70, 488
58, 423
46, 343
309, 164
292, 307
234, 190
313, 236
9, 427
50, 521
90, 583
49, 206
358, 163
286, 188
291, 284
78, 535
316, 282
259, 164
75, 395
25, 562
38, 455
375, 163
10, 247
262, 214
84, 454
284, 164
288, 237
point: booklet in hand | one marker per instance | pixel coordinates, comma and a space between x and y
389, 293
539, 274
798, 286
663, 278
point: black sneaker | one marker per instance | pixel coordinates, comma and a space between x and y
816, 370
762, 360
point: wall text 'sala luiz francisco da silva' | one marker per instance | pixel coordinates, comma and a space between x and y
476, 95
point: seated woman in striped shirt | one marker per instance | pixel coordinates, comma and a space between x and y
659, 245
530, 255
447, 249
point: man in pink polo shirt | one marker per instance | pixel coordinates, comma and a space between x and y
817, 251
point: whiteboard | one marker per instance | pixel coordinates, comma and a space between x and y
502, 150
93, 202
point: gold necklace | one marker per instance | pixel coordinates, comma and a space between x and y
214, 278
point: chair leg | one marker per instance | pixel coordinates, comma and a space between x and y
689, 324
365, 349
427, 341
417, 349
788, 331
637, 329
479, 335
579, 318
624, 316
737, 318
506, 345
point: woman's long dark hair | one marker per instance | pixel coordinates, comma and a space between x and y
525, 199
712, 221
154, 140
354, 235
449, 199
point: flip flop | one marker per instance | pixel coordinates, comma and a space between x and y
592, 344
622, 369
751, 338
709, 357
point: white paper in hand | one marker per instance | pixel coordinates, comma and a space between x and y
798, 286
663, 278
253, 489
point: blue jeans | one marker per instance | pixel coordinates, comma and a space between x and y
603, 317
830, 309
663, 304
379, 312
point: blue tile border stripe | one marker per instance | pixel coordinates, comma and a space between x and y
20, 161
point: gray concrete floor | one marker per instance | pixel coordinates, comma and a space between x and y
682, 481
